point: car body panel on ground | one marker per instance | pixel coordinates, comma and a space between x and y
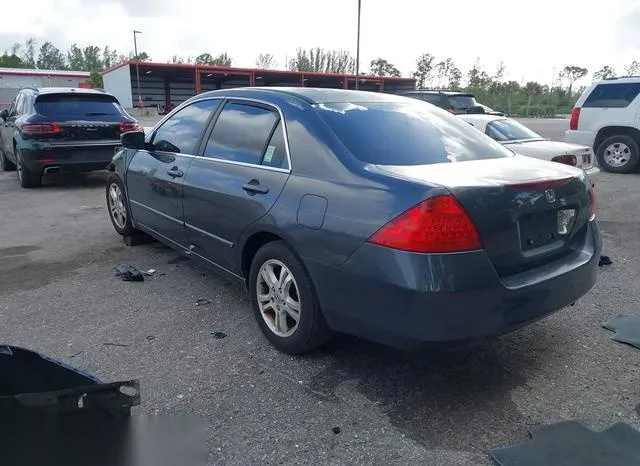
524, 141
292, 167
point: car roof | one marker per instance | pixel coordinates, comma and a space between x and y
311, 95
437, 91
65, 90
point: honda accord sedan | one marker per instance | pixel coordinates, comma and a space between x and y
365, 213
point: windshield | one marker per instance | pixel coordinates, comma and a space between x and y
510, 130
393, 133
76, 105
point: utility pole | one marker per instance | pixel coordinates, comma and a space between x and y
135, 51
358, 49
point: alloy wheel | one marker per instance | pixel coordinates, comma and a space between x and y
278, 298
117, 208
617, 154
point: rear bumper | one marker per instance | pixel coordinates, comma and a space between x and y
585, 138
407, 300
69, 158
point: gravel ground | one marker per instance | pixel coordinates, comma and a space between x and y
58, 295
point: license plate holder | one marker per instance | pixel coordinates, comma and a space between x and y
538, 229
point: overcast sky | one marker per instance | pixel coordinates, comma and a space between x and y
531, 37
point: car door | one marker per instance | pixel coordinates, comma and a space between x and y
155, 176
244, 166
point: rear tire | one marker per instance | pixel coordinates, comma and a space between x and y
618, 154
279, 325
5, 163
28, 179
118, 207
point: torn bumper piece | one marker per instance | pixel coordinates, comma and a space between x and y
55, 414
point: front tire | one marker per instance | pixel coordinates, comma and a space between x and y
28, 179
618, 154
284, 301
118, 207
5, 163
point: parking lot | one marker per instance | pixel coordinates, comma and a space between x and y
350, 403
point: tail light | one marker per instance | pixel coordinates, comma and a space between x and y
40, 128
436, 225
592, 203
452, 111
127, 126
575, 116
568, 159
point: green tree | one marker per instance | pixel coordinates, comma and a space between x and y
633, 69
95, 80
533, 90
446, 71
222, 60
572, 74
207, 59
11, 60
604, 73
51, 58
204, 59
266, 61
320, 60
142, 56
29, 55
382, 67
109, 57
75, 58
424, 70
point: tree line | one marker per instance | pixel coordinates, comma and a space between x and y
528, 98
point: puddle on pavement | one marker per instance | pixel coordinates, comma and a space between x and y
450, 399
18, 250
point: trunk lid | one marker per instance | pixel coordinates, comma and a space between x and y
527, 212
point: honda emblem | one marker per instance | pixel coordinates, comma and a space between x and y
550, 195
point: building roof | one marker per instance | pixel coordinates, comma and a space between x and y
52, 73
232, 70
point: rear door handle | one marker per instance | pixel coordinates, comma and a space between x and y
254, 187
175, 172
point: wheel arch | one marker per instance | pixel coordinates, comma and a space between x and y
609, 131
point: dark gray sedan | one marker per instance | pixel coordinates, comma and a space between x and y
366, 213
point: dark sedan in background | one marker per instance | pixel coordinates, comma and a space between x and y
49, 130
371, 214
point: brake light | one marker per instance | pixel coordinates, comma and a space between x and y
568, 159
40, 128
575, 116
592, 203
127, 126
436, 225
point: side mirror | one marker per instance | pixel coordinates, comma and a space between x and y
133, 140
4, 114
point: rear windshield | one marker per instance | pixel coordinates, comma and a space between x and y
610, 95
462, 102
412, 133
76, 105
509, 130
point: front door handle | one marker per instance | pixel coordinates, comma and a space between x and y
254, 187
175, 172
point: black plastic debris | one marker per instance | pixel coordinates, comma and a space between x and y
219, 335
570, 443
128, 273
336, 430
627, 329
604, 260
53, 414
202, 302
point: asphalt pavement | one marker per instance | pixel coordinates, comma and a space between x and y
352, 402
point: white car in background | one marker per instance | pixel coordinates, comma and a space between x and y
526, 142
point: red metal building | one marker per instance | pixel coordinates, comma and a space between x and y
162, 84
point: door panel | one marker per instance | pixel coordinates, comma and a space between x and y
244, 168
155, 176
154, 187
218, 208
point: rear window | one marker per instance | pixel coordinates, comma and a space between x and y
392, 133
461, 101
612, 95
76, 105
